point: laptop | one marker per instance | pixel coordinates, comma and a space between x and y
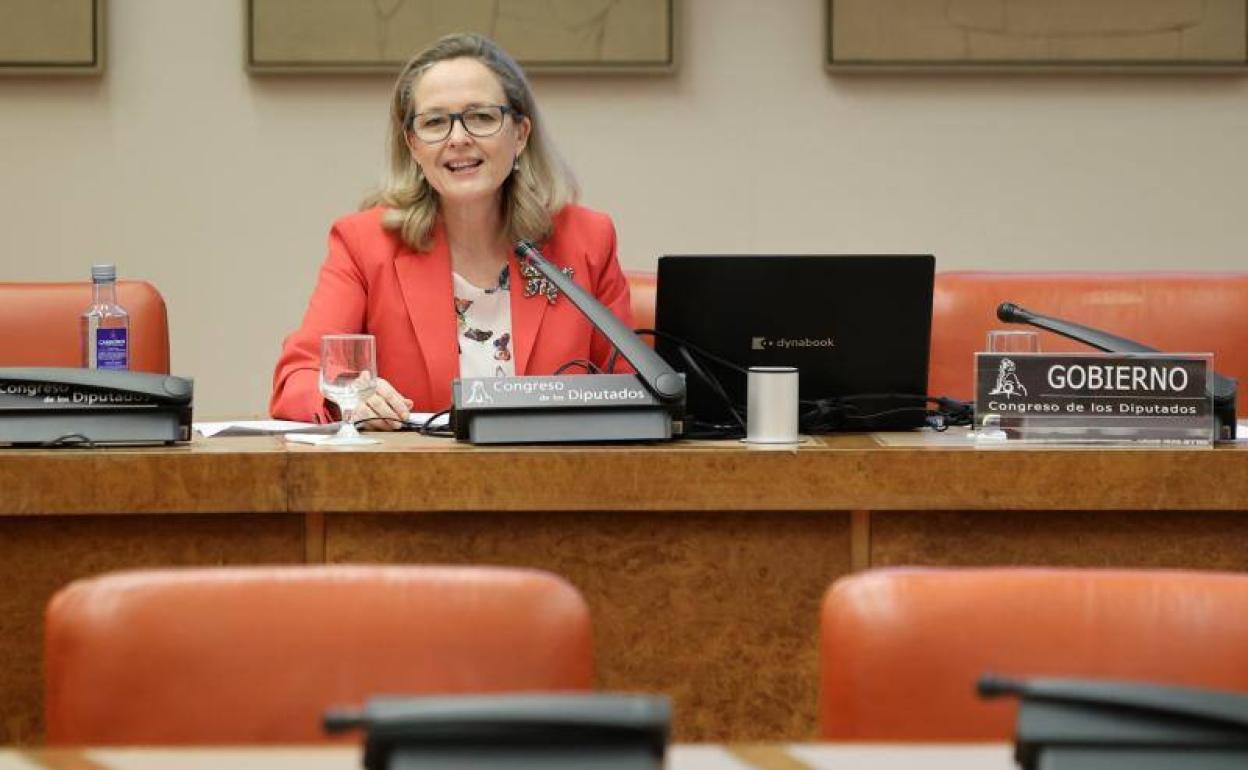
854, 326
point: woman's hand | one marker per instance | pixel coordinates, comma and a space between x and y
386, 409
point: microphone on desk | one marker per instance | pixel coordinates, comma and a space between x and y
1098, 724
509, 730
1223, 389
655, 373
646, 406
1110, 343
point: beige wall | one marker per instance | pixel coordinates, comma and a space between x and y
220, 188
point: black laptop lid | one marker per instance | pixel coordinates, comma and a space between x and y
852, 325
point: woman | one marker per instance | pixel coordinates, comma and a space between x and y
428, 266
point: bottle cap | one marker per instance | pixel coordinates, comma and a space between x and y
103, 273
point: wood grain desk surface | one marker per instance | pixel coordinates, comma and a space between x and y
736, 544
406, 472
680, 757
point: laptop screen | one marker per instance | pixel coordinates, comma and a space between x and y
856, 327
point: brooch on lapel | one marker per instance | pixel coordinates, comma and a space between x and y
535, 283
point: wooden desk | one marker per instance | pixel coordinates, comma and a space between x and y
679, 757
703, 563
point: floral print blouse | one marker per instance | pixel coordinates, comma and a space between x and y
484, 328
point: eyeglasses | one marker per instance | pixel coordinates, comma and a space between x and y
481, 122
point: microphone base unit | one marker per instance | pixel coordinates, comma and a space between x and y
1223, 390
112, 427
587, 408
51, 406
1224, 413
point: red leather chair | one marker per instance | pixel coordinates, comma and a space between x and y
901, 649
40, 322
642, 287
1173, 312
257, 654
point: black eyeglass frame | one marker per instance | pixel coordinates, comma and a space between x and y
505, 109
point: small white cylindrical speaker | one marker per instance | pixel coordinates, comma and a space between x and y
771, 405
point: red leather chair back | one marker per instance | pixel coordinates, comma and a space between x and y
40, 322
257, 654
1173, 312
642, 287
901, 649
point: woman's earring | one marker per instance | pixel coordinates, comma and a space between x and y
515, 164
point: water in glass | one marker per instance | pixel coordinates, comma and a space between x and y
348, 377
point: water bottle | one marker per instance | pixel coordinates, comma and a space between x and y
105, 324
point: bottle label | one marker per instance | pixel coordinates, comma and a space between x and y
112, 349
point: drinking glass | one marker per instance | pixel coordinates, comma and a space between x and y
1013, 341
348, 377
991, 426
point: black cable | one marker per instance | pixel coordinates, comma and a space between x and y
686, 351
365, 421
818, 415
840, 413
712, 382
68, 440
703, 352
589, 366
698, 430
427, 428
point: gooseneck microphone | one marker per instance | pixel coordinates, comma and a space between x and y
543, 409
1110, 343
1222, 389
655, 373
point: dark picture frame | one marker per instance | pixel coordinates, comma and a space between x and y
378, 36
52, 37
1063, 35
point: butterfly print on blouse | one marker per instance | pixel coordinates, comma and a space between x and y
502, 348
504, 281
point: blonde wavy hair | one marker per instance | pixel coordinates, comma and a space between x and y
531, 196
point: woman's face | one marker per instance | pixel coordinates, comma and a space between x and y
464, 168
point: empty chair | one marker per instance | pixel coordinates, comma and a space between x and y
901, 649
40, 322
257, 654
1173, 312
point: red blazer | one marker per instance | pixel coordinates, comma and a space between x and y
373, 283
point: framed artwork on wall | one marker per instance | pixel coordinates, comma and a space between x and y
51, 37
1002, 35
547, 36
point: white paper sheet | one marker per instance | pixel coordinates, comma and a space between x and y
278, 427
259, 428
420, 418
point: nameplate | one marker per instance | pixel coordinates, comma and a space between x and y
543, 410
1095, 397
570, 392
55, 406
56, 395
